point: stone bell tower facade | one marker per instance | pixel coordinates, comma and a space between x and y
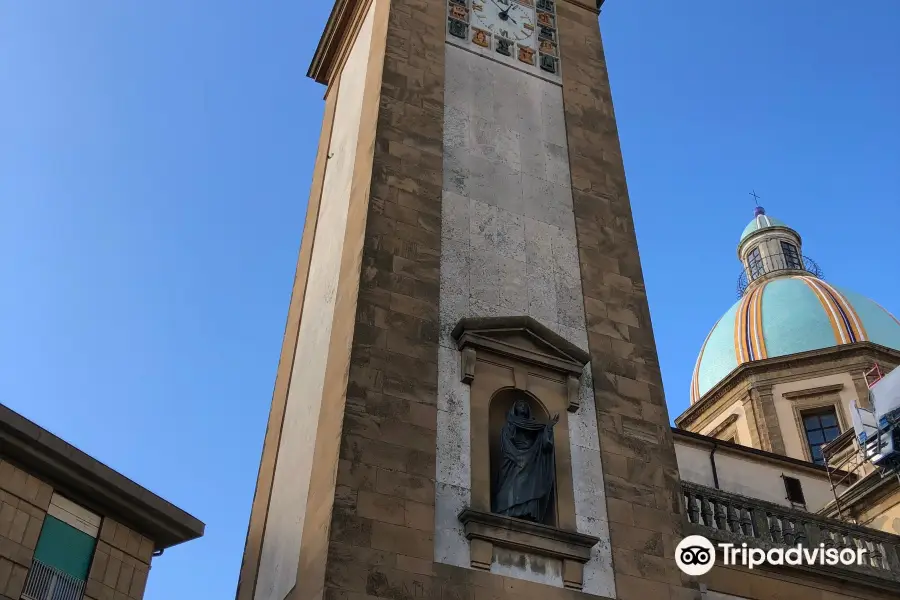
468, 243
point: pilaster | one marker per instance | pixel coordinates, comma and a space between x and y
770, 430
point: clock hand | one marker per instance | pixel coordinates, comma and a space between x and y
504, 14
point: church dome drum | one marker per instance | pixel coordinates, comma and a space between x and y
785, 308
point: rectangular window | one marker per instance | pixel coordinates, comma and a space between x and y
791, 256
821, 426
64, 552
793, 490
755, 264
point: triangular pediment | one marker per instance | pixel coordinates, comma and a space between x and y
522, 338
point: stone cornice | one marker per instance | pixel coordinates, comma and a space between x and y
760, 370
816, 391
340, 29
527, 536
522, 339
552, 350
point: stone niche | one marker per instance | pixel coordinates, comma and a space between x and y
504, 359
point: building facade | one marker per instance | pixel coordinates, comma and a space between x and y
71, 527
469, 249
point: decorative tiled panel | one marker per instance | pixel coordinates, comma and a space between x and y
519, 32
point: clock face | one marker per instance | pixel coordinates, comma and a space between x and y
517, 31
505, 19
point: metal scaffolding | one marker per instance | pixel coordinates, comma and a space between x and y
846, 465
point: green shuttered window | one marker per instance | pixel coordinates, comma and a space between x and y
63, 547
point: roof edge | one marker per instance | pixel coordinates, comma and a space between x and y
750, 368
99, 488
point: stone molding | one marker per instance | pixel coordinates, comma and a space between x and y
849, 357
724, 426
486, 530
816, 391
511, 337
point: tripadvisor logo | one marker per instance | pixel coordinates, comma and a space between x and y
695, 555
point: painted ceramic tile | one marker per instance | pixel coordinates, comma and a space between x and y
526, 54
481, 37
545, 5
545, 19
458, 29
504, 47
459, 12
549, 63
547, 47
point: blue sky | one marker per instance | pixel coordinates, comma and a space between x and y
155, 163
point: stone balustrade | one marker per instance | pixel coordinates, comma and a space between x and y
724, 517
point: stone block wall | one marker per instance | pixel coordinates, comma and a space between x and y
643, 490
121, 564
23, 505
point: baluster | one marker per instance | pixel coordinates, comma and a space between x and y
868, 546
734, 519
692, 510
828, 538
706, 511
800, 535
843, 540
775, 528
788, 531
813, 534
758, 525
890, 557
875, 555
721, 516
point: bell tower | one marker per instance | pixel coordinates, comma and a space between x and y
468, 402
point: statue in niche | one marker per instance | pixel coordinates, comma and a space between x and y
526, 476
